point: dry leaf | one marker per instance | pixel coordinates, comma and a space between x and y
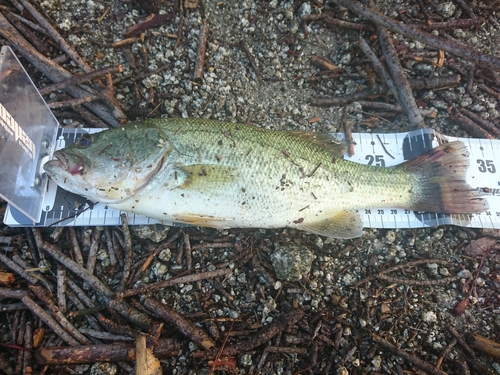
314, 119
7, 278
145, 362
480, 246
224, 364
322, 63
38, 337
385, 308
190, 4
428, 113
151, 21
371, 122
460, 307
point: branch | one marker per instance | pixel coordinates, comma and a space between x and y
455, 48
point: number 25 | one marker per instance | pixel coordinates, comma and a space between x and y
377, 160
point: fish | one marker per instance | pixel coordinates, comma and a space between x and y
227, 175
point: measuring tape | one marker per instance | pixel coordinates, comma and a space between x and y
62, 208
386, 150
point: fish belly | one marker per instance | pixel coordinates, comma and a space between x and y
258, 199
239, 206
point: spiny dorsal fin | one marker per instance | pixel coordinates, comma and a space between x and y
324, 140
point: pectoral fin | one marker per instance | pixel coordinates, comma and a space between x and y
344, 224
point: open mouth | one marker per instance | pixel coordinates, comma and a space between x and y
73, 165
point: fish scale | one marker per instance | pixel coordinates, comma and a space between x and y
291, 167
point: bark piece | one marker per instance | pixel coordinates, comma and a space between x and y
483, 344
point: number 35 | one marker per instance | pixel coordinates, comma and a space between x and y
486, 166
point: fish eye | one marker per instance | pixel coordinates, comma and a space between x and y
85, 141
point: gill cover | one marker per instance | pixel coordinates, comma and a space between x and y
112, 165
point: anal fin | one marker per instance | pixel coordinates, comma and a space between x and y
344, 224
201, 221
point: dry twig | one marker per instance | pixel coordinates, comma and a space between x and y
44, 296
61, 288
170, 282
127, 248
378, 66
346, 125
405, 95
200, 53
47, 319
284, 323
250, 57
178, 321
77, 79
455, 48
100, 353
461, 341
378, 90
50, 69
430, 369
123, 309
17, 269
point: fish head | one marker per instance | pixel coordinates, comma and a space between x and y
112, 165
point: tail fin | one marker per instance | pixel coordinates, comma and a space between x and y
441, 174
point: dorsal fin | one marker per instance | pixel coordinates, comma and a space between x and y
324, 140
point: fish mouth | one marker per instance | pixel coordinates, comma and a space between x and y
73, 165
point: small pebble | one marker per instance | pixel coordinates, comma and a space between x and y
496, 367
101, 368
466, 274
433, 268
155, 233
429, 316
291, 262
444, 271
377, 361
446, 9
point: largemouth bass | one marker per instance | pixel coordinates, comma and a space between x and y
226, 175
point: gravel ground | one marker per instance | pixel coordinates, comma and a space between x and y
341, 313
